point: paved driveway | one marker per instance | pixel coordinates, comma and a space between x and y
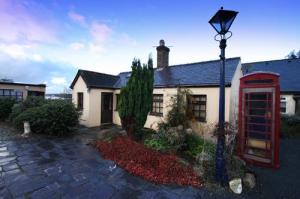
42, 167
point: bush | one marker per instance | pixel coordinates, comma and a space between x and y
195, 145
290, 126
159, 144
178, 115
56, 117
6, 105
29, 102
33, 101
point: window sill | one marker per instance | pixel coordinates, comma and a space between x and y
156, 114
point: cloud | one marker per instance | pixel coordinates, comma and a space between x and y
77, 46
25, 22
20, 51
127, 40
100, 32
77, 18
61, 81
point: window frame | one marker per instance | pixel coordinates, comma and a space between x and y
160, 106
283, 100
192, 104
80, 105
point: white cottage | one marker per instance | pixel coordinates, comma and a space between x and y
96, 94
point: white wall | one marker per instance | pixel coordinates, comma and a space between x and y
234, 96
95, 106
290, 104
212, 104
92, 104
80, 86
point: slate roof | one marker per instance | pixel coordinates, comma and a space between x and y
95, 80
289, 70
200, 74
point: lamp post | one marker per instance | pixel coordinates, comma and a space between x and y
221, 22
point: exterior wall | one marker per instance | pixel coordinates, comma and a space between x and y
290, 104
23, 88
95, 106
234, 96
116, 118
212, 105
80, 86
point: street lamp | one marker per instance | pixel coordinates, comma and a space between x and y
221, 22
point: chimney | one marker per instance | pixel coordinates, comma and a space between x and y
162, 55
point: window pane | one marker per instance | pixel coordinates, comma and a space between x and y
203, 114
7, 92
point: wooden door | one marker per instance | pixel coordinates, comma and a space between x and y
106, 108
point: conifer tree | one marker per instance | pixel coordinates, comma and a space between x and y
136, 98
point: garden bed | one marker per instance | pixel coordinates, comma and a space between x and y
147, 163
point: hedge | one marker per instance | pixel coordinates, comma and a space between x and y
6, 105
56, 117
290, 126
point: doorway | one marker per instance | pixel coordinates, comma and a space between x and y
106, 108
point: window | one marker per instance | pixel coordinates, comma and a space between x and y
117, 101
283, 105
80, 101
197, 107
157, 105
18, 95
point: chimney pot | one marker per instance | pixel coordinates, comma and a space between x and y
162, 55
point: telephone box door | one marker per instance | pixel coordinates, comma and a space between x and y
258, 124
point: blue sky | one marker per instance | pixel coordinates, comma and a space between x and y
46, 41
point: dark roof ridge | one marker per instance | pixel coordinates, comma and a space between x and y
81, 70
275, 60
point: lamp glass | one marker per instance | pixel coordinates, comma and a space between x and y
222, 20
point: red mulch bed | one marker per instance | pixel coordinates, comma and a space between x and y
147, 163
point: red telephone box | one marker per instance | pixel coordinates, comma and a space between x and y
259, 119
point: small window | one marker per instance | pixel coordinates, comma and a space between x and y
80, 101
197, 107
157, 105
283, 105
117, 101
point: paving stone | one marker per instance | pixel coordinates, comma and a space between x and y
127, 193
10, 179
3, 149
166, 195
44, 193
9, 167
5, 194
20, 188
7, 160
4, 153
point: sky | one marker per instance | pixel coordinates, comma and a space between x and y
47, 41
